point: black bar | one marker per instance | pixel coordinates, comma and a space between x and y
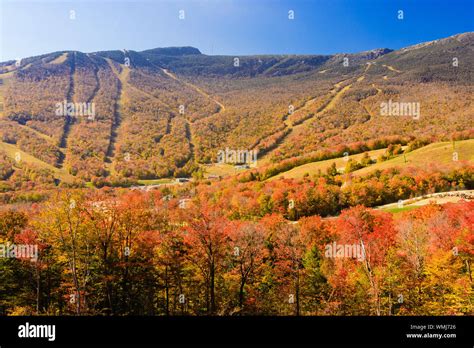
240, 331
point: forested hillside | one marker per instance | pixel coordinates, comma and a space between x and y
167, 112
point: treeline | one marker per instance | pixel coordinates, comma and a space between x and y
109, 253
28, 141
321, 155
6, 167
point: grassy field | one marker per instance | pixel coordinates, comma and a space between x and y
437, 153
313, 167
12, 150
395, 210
221, 170
155, 182
437, 198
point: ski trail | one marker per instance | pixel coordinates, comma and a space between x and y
68, 120
117, 117
196, 88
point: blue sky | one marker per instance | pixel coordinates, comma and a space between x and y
228, 27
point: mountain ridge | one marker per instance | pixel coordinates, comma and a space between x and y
190, 50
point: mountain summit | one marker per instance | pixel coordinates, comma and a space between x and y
174, 51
